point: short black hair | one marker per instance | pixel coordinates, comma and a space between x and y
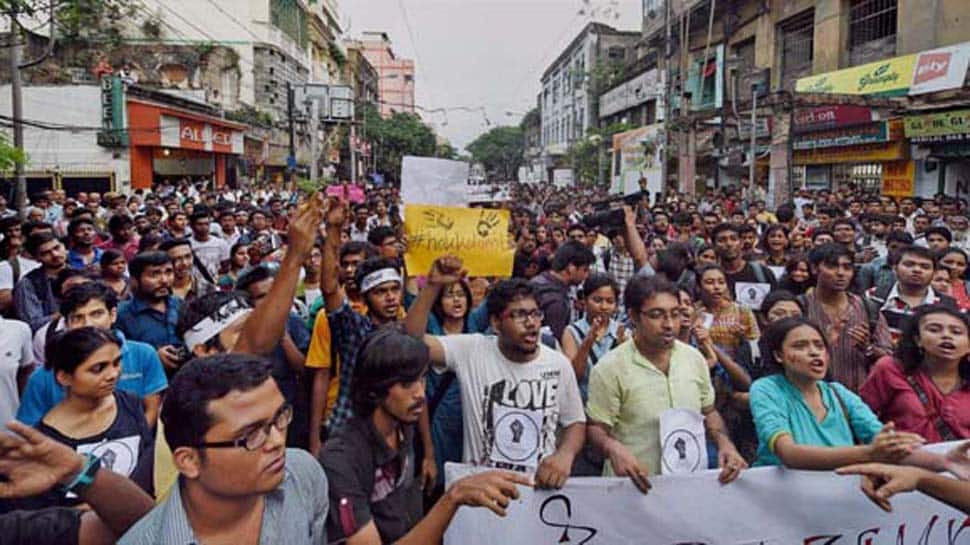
725, 226
918, 251
357, 247
374, 264
505, 292
843, 221
147, 259
175, 243
899, 236
829, 254
36, 240
596, 281
199, 308
938, 230
85, 293
77, 223
252, 276
785, 213
780, 296
109, 256
388, 356
642, 288
68, 349
57, 287
572, 252
185, 413
119, 221
379, 233
200, 213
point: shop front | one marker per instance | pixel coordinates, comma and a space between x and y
168, 142
942, 140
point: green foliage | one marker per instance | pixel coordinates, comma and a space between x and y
396, 136
337, 55
446, 151
9, 155
93, 22
590, 157
500, 150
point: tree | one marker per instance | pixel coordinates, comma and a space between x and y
500, 150
590, 156
9, 155
446, 151
396, 136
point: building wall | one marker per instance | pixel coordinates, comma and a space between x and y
395, 75
65, 151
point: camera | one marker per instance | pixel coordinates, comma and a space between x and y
607, 217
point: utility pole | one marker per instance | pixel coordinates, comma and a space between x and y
17, 107
754, 137
353, 152
314, 140
665, 97
291, 159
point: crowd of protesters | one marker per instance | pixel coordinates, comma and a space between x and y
261, 366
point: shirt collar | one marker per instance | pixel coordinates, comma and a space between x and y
383, 451
894, 294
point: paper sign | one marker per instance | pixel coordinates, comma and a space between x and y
683, 447
427, 180
780, 507
352, 193
751, 294
479, 236
778, 271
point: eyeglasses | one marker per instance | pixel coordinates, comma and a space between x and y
523, 316
257, 437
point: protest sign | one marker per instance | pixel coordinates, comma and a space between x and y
427, 180
479, 236
765, 506
351, 193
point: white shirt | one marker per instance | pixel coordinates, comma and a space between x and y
15, 353
211, 253
6, 271
542, 395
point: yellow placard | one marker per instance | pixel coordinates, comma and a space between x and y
890, 77
479, 236
897, 178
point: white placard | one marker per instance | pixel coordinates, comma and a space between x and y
770, 506
428, 180
683, 447
751, 294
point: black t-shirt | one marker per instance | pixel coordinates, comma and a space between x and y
53, 526
758, 280
377, 483
126, 447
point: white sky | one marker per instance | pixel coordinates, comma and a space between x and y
479, 53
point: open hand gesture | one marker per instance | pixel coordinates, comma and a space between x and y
33, 463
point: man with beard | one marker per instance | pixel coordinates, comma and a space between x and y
83, 253
122, 238
516, 394
320, 361
624, 414
856, 331
151, 314
959, 226
33, 296
742, 275
380, 284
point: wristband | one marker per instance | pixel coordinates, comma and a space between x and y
85, 477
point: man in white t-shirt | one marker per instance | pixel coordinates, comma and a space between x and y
516, 393
16, 363
210, 250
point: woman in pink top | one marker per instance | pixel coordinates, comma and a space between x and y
925, 388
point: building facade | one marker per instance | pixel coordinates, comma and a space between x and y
395, 75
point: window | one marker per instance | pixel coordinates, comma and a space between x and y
652, 6
872, 30
616, 53
744, 52
797, 44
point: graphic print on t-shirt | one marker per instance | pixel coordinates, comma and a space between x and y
118, 455
520, 421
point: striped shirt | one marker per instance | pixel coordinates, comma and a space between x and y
895, 309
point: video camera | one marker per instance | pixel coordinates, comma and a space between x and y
606, 217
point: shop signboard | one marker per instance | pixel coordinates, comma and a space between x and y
925, 72
113, 133
897, 178
890, 77
847, 136
939, 127
629, 94
866, 153
829, 117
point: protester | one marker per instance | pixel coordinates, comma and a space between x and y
113, 267
152, 312
33, 297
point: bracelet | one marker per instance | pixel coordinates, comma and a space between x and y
85, 477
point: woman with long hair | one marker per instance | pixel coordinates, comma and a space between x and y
94, 415
798, 275
238, 262
774, 247
806, 422
954, 261
925, 387
112, 271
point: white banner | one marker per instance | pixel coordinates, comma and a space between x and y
940, 69
765, 506
427, 180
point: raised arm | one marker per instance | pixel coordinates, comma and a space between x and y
333, 294
444, 271
266, 324
634, 242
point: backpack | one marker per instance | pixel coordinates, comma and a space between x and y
759, 272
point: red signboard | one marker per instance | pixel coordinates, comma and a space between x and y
931, 66
827, 117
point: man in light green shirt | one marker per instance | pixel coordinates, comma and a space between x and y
634, 384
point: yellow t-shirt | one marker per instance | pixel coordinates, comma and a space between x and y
319, 356
628, 393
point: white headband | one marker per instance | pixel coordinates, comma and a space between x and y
213, 325
379, 277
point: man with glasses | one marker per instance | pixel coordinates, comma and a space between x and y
518, 396
632, 387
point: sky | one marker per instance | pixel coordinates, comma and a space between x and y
480, 53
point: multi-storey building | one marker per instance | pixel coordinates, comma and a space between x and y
395, 75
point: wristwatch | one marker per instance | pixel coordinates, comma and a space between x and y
84, 479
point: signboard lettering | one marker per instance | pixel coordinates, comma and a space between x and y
866, 134
827, 117
939, 127
897, 178
480, 236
